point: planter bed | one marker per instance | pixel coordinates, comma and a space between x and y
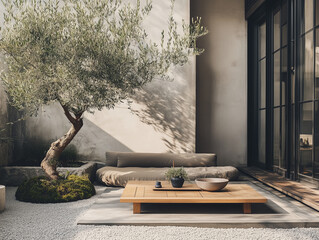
15, 175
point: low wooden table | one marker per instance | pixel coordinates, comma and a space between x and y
138, 192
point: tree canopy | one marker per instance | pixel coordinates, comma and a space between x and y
86, 54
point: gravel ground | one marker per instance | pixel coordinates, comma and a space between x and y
58, 221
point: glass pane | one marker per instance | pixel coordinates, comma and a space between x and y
317, 65
277, 31
262, 40
284, 75
305, 166
293, 127
262, 83
277, 79
262, 136
308, 14
284, 35
293, 82
317, 12
276, 136
306, 85
316, 143
283, 138
284, 13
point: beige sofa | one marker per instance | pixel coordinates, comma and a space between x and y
122, 167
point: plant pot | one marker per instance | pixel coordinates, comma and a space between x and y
177, 182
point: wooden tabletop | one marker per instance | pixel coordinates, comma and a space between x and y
142, 192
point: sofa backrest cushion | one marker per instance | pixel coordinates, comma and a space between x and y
166, 160
111, 158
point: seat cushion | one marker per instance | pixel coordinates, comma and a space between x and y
113, 176
166, 160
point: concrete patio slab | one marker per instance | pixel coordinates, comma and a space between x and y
279, 211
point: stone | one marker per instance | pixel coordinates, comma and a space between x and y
2, 197
14, 176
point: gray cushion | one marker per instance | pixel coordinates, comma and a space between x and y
195, 160
111, 158
166, 160
114, 176
144, 160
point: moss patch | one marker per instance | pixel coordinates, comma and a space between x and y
42, 190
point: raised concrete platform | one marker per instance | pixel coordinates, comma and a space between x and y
15, 175
280, 211
2, 197
296, 190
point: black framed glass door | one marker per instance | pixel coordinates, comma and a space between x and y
268, 87
279, 52
283, 88
308, 104
262, 86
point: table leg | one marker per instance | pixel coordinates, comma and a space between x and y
247, 208
136, 208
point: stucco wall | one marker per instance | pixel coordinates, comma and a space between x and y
221, 75
4, 155
5, 143
11, 138
162, 117
3, 119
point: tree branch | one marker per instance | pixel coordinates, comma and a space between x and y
68, 114
78, 115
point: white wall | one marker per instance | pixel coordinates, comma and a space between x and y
222, 81
163, 116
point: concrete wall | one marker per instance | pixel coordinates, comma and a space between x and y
3, 120
11, 138
4, 145
162, 117
221, 74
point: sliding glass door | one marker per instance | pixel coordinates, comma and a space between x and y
261, 75
269, 27
308, 157
283, 88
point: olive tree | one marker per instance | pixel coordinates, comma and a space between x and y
85, 55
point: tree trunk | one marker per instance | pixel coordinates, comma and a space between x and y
49, 163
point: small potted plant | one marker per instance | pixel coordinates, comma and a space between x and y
177, 176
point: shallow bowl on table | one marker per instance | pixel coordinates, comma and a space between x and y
211, 184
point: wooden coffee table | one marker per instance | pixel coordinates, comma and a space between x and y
138, 192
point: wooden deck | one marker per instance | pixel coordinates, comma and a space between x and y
307, 195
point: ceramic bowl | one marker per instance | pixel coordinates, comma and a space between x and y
211, 184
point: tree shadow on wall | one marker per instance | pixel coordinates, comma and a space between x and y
170, 108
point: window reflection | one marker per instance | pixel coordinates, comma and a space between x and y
262, 136
277, 78
276, 136
262, 40
284, 35
277, 31
308, 14
262, 82
308, 71
316, 138
284, 75
283, 139
317, 65
306, 139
